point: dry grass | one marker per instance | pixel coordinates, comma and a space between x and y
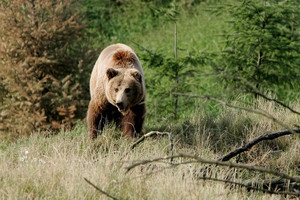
54, 167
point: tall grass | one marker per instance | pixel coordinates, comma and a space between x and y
54, 167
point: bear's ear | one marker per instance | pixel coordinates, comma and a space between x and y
111, 73
137, 75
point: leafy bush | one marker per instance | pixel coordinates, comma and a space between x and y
42, 69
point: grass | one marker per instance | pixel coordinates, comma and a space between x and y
39, 167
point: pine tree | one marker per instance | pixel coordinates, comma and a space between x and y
262, 51
173, 73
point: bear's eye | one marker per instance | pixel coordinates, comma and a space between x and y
116, 89
127, 90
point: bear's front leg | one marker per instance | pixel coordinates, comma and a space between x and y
132, 123
95, 119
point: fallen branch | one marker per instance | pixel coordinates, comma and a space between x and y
100, 190
214, 162
250, 187
150, 134
289, 179
277, 184
266, 136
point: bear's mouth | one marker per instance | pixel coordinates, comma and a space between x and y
121, 108
123, 111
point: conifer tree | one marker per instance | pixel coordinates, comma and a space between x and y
262, 51
175, 73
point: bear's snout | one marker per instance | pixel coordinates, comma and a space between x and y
120, 106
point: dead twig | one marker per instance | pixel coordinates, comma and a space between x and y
100, 190
266, 136
256, 92
250, 187
272, 189
277, 184
150, 134
215, 162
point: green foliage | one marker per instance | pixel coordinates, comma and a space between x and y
171, 76
262, 51
119, 21
42, 66
116, 20
183, 42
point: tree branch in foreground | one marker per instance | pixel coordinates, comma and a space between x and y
248, 184
154, 133
100, 190
266, 136
214, 162
250, 187
275, 184
151, 133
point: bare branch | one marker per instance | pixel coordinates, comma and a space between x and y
151, 133
255, 91
249, 187
100, 190
285, 181
266, 136
255, 185
277, 184
214, 162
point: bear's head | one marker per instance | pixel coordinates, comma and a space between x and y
124, 88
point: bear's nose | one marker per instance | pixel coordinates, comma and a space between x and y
120, 105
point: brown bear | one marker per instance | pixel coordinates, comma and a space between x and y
117, 89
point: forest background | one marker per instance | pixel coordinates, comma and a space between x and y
198, 47
200, 58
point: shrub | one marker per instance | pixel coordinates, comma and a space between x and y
41, 65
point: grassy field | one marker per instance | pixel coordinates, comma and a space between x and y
54, 167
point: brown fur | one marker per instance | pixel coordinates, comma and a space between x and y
124, 58
117, 77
